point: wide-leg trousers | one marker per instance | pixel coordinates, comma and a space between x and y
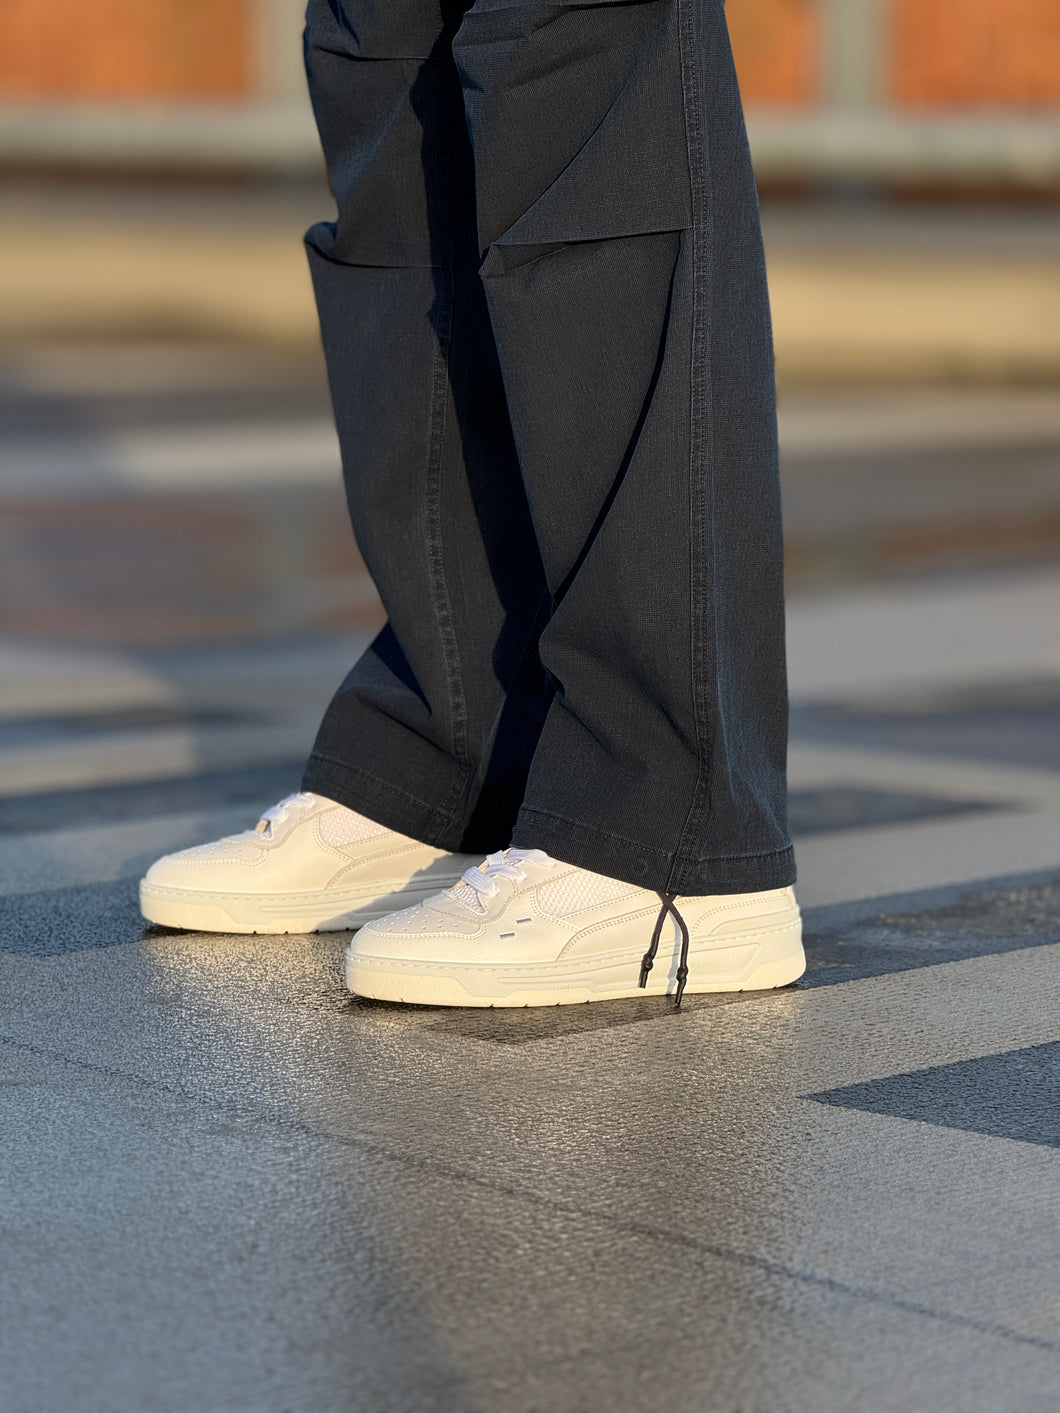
546, 325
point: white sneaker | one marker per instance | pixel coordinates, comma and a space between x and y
310, 866
523, 929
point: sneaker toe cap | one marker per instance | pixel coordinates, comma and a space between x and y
207, 867
411, 933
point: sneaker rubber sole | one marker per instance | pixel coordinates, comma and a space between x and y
330, 910
761, 961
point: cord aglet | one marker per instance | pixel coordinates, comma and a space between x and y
682, 977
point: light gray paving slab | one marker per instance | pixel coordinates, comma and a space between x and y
151, 755
302, 452
837, 867
969, 630
856, 422
655, 1203
207, 1259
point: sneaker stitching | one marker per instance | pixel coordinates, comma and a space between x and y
440, 967
202, 894
323, 844
393, 853
601, 926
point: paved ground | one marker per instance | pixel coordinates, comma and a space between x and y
229, 1186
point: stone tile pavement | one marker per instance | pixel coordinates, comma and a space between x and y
227, 1185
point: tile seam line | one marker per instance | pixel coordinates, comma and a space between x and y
438, 1169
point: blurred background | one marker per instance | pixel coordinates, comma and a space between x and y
180, 590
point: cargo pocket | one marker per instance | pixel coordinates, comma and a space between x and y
387, 103
576, 116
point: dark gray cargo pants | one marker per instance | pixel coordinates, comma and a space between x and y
544, 311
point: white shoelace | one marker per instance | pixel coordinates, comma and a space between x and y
506, 863
276, 814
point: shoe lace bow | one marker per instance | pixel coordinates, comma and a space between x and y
506, 863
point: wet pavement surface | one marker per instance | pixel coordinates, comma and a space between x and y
229, 1185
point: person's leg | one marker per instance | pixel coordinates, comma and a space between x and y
626, 287
433, 730
623, 268
425, 748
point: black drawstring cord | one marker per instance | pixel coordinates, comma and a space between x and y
648, 960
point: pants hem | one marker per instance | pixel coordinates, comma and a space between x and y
381, 802
649, 867
397, 809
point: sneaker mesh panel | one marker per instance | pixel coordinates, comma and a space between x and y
464, 893
340, 827
581, 890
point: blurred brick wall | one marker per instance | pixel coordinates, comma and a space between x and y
166, 49
174, 49
776, 44
976, 53
941, 53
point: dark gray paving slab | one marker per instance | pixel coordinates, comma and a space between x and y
1013, 722
61, 920
51, 727
844, 942
860, 807
257, 786
1014, 1095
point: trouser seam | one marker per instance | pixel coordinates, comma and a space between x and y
445, 296
701, 430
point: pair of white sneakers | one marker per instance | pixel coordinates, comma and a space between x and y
516, 929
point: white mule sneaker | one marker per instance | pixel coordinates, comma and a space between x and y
523, 929
310, 866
